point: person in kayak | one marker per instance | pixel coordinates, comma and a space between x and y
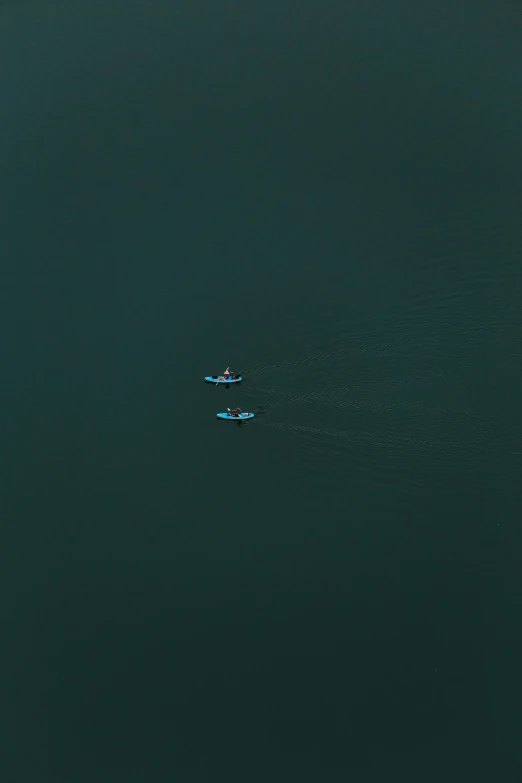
227, 375
236, 412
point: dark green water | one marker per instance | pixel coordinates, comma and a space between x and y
326, 196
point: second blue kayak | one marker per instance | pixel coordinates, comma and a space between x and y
235, 418
220, 379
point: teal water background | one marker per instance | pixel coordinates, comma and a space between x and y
327, 197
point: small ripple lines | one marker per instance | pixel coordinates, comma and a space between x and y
384, 348
350, 436
408, 332
391, 442
340, 398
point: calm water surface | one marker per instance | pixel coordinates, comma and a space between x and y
325, 196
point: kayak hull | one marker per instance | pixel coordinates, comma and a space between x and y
214, 379
243, 417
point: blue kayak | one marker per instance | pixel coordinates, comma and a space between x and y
220, 379
235, 418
